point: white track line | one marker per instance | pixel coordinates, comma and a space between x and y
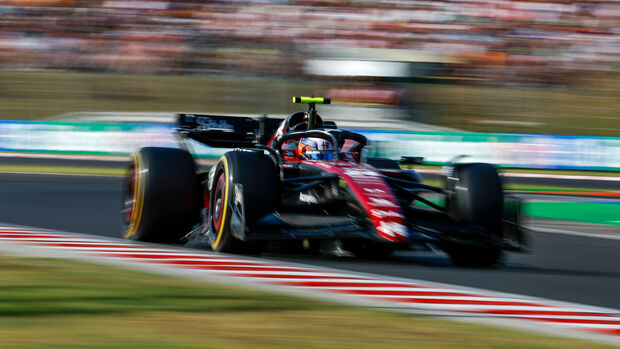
575, 233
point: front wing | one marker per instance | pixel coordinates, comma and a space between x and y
424, 226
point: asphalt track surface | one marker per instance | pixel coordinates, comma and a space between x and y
80, 163
562, 267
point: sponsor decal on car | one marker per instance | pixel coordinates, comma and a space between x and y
308, 198
392, 229
378, 202
208, 124
383, 213
374, 191
360, 173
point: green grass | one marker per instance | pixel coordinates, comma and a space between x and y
37, 95
589, 107
607, 213
64, 170
56, 303
588, 212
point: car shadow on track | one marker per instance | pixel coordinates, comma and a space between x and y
434, 260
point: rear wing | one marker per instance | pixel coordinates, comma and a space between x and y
227, 131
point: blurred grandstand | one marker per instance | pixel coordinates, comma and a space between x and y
528, 43
524, 41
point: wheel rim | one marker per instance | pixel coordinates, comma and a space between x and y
217, 204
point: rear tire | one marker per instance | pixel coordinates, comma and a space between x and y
256, 172
160, 195
479, 199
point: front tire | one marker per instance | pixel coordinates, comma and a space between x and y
256, 173
160, 195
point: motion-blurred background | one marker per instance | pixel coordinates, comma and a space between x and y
531, 86
548, 66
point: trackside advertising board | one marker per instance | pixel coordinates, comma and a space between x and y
506, 150
105, 139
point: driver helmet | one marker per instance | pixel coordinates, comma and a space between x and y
315, 149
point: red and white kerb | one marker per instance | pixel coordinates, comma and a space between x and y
414, 295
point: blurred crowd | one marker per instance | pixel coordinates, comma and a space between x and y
545, 41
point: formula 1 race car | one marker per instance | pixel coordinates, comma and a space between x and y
302, 181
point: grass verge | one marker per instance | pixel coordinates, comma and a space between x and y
65, 304
586, 108
98, 171
587, 212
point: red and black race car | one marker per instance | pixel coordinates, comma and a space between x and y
302, 181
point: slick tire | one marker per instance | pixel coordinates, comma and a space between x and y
479, 199
256, 173
160, 195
